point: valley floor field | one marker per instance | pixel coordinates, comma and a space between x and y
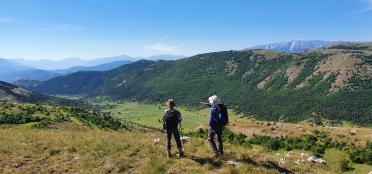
151, 115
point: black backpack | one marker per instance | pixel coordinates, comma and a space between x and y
223, 115
171, 119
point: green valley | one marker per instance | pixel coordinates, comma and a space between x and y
332, 83
287, 110
185, 87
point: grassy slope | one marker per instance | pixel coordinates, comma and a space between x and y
96, 151
72, 149
42, 116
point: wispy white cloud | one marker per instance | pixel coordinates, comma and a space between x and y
6, 19
63, 27
368, 4
162, 47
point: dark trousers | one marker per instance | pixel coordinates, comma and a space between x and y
211, 134
176, 134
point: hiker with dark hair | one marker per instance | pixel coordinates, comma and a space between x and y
171, 119
218, 119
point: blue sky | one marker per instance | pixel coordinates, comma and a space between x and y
36, 29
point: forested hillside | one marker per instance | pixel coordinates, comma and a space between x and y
332, 83
14, 94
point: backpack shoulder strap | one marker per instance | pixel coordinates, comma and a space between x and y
177, 112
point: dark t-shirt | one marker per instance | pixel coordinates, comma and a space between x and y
171, 118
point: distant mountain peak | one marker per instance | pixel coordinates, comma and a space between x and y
296, 45
165, 57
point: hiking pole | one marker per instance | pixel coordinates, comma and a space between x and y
181, 136
181, 129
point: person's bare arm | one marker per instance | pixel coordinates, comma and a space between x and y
205, 104
179, 116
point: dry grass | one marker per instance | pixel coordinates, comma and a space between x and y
293, 71
344, 65
86, 150
267, 54
97, 151
269, 79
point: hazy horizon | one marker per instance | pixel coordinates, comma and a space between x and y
131, 58
135, 58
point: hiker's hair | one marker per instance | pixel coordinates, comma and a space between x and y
171, 102
214, 100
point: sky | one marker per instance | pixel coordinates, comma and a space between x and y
57, 29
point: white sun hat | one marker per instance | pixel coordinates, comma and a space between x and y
214, 100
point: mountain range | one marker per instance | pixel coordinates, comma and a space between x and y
7, 65
296, 46
41, 75
47, 64
12, 70
334, 83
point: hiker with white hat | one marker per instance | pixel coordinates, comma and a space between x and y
218, 119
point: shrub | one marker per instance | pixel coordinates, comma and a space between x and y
318, 151
345, 165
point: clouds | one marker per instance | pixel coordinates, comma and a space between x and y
368, 4
63, 27
162, 48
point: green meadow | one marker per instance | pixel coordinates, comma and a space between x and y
151, 114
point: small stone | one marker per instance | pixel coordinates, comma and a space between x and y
303, 155
17, 165
353, 132
156, 140
320, 161
77, 158
283, 161
185, 139
231, 162
313, 159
